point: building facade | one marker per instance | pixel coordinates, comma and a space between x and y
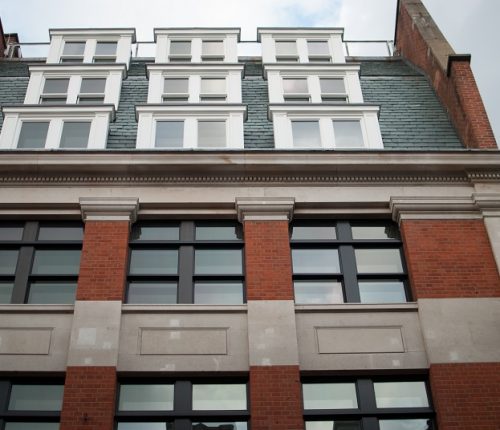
306, 240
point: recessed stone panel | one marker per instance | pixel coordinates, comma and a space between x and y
25, 341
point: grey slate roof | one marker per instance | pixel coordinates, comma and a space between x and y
411, 116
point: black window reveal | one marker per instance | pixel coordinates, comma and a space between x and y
341, 261
39, 262
367, 404
186, 262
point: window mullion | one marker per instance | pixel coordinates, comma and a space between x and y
186, 263
366, 393
23, 268
348, 264
370, 423
183, 402
182, 424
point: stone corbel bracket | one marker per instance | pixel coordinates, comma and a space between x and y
265, 209
109, 208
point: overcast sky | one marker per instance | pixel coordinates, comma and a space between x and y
469, 25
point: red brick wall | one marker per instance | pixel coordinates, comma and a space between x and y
466, 396
268, 261
449, 258
458, 92
103, 265
276, 398
89, 398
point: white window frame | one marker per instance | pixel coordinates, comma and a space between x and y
315, 58
288, 97
213, 97
149, 115
212, 57
91, 95
173, 97
157, 120
72, 58
229, 36
180, 57
231, 73
106, 57
14, 116
282, 117
286, 58
334, 97
114, 74
48, 96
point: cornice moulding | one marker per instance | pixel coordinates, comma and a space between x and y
109, 209
264, 209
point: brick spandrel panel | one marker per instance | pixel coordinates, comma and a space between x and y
268, 262
458, 92
275, 398
89, 398
466, 396
104, 260
449, 259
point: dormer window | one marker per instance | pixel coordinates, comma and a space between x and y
33, 134
295, 90
180, 50
55, 91
212, 50
333, 90
286, 50
306, 134
169, 134
92, 91
73, 52
319, 51
75, 134
105, 52
211, 134
348, 134
175, 90
213, 89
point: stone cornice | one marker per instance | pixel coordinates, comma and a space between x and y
489, 203
265, 209
109, 209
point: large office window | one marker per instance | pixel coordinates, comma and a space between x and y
39, 262
182, 405
341, 261
30, 404
186, 262
366, 404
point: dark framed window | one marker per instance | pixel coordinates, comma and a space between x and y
182, 404
367, 404
28, 404
186, 262
39, 261
342, 261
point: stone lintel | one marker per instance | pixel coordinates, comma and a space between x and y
265, 209
109, 208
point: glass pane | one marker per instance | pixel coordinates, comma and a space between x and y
31, 426
295, 86
382, 292
315, 261
286, 48
306, 134
401, 394
105, 48
212, 47
8, 261
332, 86
75, 135
378, 261
145, 426
6, 291
146, 397
56, 262
218, 293
314, 232
332, 425
223, 397
48, 232
33, 135
153, 262
180, 48
93, 85
422, 424
213, 86
318, 47
318, 292
330, 396
218, 261
211, 134
36, 398
220, 426
150, 232
375, 232
52, 293
169, 134
176, 86
152, 292
74, 48
348, 134
11, 232
56, 86
218, 232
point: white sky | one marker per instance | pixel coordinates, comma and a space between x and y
469, 25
